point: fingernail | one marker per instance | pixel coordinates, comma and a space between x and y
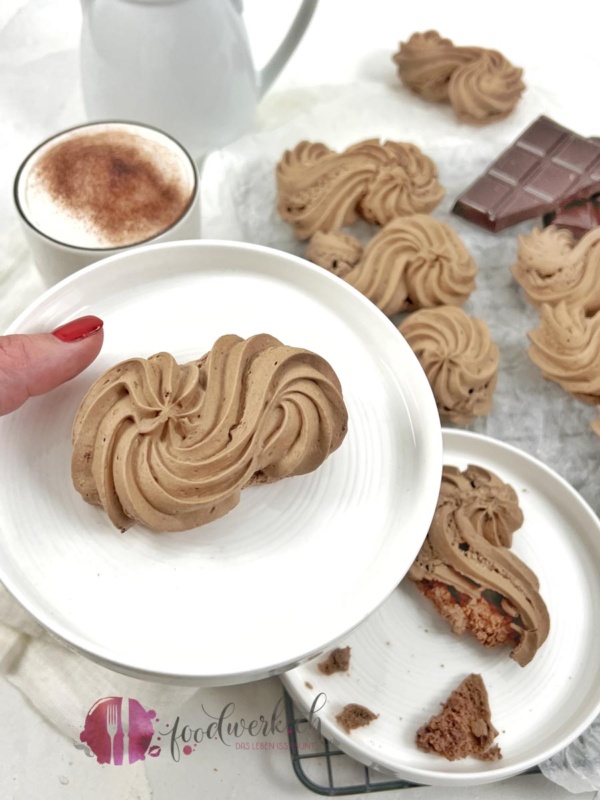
78, 329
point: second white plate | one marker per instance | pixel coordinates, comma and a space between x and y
405, 660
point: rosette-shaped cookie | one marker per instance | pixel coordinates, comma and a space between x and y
171, 446
336, 252
486, 89
459, 358
319, 190
404, 182
481, 84
415, 262
491, 505
551, 267
426, 62
480, 588
566, 347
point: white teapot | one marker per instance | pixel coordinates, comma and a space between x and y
182, 65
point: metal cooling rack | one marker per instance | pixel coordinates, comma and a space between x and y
328, 771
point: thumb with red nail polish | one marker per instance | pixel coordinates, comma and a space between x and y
32, 364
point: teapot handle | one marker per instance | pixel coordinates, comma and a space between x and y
271, 70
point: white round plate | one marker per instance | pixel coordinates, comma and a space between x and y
298, 563
405, 661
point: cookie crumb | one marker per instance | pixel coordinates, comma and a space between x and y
337, 661
354, 716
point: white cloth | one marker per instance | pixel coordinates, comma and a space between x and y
61, 684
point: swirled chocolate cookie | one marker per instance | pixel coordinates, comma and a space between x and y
321, 190
566, 347
481, 85
172, 445
459, 358
404, 181
552, 267
412, 262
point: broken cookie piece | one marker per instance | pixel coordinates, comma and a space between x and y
354, 716
478, 587
464, 725
337, 661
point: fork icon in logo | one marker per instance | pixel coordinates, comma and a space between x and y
112, 725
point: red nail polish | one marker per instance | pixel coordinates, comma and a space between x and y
78, 329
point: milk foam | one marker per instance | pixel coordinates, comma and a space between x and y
52, 217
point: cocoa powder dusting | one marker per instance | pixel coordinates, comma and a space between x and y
121, 186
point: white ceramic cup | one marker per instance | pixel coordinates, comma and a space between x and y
97, 189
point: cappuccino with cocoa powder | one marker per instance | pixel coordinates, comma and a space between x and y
106, 186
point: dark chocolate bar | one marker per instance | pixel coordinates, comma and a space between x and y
547, 167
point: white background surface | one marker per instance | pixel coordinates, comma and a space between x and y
347, 40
